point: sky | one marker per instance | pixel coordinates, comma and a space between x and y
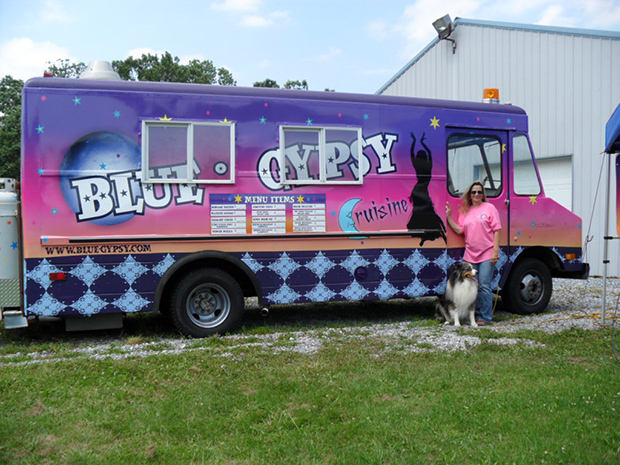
344, 45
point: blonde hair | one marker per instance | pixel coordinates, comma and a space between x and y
466, 202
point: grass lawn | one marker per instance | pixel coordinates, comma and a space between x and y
352, 402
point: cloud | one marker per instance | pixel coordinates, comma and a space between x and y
601, 14
53, 12
555, 15
379, 29
332, 54
238, 6
271, 19
23, 58
250, 13
257, 21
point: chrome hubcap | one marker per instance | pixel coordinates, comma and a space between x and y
531, 289
208, 305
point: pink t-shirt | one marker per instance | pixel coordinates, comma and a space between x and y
478, 226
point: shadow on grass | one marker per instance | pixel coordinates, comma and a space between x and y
144, 326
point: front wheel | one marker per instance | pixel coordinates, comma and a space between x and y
205, 302
529, 286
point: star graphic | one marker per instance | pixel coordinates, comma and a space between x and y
77, 101
533, 199
14, 245
366, 116
41, 171
117, 114
54, 211
238, 199
262, 120
503, 148
509, 120
309, 122
165, 118
434, 122
40, 129
300, 199
103, 166
226, 121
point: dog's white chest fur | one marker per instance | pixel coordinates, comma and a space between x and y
464, 294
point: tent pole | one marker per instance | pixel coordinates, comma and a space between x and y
606, 238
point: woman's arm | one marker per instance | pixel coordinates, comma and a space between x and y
495, 256
451, 222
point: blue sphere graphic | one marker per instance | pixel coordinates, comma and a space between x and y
96, 155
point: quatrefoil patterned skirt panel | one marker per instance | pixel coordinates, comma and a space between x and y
127, 283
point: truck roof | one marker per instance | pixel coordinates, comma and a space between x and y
206, 89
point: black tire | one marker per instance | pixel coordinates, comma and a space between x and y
205, 302
529, 287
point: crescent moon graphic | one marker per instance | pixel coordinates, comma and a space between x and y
345, 217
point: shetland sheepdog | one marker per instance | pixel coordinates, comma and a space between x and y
460, 297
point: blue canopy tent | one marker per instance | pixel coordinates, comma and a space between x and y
612, 145
612, 133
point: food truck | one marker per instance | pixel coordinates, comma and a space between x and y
187, 199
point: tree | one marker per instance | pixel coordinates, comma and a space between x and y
296, 85
10, 126
169, 69
267, 83
65, 68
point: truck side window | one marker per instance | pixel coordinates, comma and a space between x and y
320, 155
474, 158
525, 178
188, 152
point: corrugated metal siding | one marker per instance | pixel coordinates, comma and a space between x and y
567, 83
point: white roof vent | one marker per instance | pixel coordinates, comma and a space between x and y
101, 70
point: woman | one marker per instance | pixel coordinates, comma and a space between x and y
478, 221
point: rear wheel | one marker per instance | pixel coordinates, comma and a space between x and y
205, 302
529, 287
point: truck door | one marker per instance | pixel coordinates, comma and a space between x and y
479, 155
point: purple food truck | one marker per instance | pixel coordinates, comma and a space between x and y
187, 199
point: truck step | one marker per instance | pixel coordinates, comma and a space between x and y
14, 319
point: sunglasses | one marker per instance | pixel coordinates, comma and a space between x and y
476, 192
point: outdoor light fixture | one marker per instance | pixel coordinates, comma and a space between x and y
444, 28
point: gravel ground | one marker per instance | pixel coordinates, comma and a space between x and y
573, 304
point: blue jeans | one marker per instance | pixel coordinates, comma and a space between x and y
484, 302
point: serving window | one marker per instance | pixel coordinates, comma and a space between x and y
320, 155
188, 152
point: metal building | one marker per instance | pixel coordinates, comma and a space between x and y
567, 80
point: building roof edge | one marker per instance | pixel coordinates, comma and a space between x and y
592, 33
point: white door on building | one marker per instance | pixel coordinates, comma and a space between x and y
557, 179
